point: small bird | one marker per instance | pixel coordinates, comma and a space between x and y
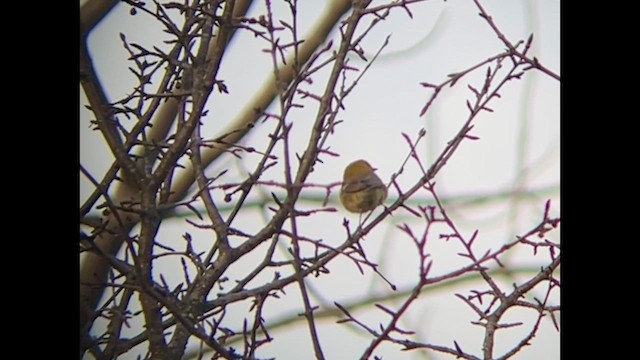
362, 190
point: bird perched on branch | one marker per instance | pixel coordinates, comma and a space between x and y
362, 190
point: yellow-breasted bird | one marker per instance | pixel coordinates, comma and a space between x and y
362, 190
